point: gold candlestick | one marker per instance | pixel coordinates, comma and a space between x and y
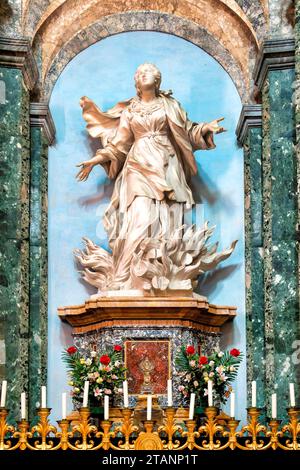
64, 434
43, 428
274, 434
231, 434
127, 429
84, 428
293, 427
190, 434
170, 428
106, 435
210, 428
253, 428
4, 429
22, 434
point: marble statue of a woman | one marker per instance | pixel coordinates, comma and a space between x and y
147, 145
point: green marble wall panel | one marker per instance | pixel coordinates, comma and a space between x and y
254, 263
279, 233
38, 266
14, 233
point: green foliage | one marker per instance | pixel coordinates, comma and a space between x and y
105, 373
195, 371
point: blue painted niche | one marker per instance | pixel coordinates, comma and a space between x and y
104, 72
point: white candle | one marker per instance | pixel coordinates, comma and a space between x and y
106, 407
192, 406
149, 407
86, 394
274, 406
253, 394
23, 405
210, 396
64, 405
170, 397
3, 393
43, 398
125, 393
232, 405
292, 395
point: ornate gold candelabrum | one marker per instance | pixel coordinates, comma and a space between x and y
85, 429
210, 429
170, 429
171, 435
42, 429
253, 430
126, 429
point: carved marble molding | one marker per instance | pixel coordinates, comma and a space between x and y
163, 312
40, 116
251, 116
275, 54
144, 21
17, 53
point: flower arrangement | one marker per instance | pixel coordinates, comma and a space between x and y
195, 371
105, 372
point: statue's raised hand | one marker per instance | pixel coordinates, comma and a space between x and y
213, 126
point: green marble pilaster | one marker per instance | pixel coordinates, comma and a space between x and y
249, 135
14, 222
280, 209
38, 266
42, 133
18, 73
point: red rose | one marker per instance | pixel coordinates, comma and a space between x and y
71, 350
190, 350
117, 348
235, 352
105, 360
203, 360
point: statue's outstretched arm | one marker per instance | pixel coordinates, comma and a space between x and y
202, 134
113, 155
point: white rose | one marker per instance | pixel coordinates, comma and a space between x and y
220, 354
88, 361
93, 354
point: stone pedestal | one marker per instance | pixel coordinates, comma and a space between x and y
152, 321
